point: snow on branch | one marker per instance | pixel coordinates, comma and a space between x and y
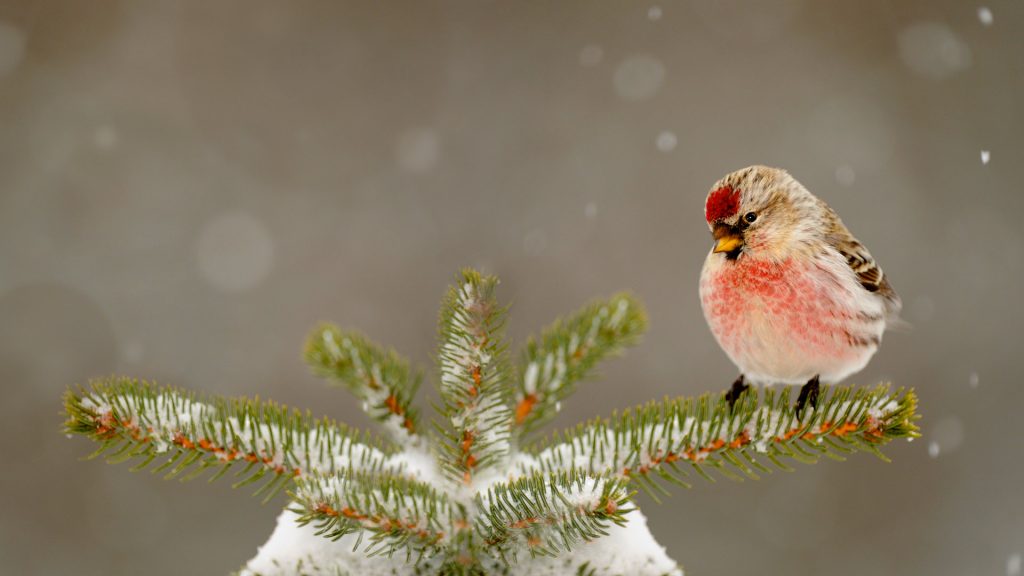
549, 514
567, 351
398, 513
667, 439
380, 378
564, 507
474, 377
133, 419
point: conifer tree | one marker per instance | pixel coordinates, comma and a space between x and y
472, 494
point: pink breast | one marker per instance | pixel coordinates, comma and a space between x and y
765, 313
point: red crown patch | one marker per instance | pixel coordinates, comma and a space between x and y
722, 203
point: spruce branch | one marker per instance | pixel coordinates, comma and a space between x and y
474, 378
664, 440
567, 351
496, 509
380, 378
398, 513
190, 435
549, 514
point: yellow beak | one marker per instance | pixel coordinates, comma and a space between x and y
727, 238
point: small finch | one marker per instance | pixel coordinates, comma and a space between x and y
789, 293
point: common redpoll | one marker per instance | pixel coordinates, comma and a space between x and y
790, 295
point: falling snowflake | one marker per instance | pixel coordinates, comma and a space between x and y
985, 15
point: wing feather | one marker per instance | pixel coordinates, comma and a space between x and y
863, 265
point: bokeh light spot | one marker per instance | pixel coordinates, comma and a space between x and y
12, 48
419, 150
932, 50
639, 78
235, 252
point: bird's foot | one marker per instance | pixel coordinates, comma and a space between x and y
738, 388
808, 395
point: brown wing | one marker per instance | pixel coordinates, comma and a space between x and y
862, 264
868, 272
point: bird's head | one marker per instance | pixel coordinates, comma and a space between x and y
759, 211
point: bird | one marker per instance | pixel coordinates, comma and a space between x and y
791, 296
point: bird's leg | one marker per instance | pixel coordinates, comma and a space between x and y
738, 387
809, 393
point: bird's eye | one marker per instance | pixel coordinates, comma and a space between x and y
750, 217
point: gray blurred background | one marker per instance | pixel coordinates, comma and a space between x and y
186, 188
